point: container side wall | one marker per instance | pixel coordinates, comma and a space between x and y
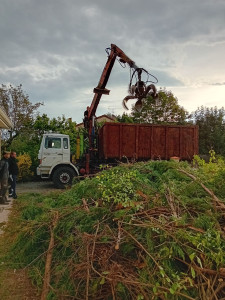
112, 143
128, 142
147, 141
144, 142
189, 142
188, 147
158, 142
173, 141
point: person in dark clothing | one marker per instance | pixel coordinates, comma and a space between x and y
13, 172
4, 175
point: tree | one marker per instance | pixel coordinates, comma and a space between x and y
163, 110
25, 143
28, 140
44, 124
125, 118
18, 107
211, 122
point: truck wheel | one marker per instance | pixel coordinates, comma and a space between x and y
63, 177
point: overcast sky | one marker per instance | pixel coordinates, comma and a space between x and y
56, 50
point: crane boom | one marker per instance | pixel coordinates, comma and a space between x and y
140, 91
100, 89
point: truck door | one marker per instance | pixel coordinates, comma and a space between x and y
55, 151
66, 150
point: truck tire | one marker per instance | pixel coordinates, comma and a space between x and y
63, 177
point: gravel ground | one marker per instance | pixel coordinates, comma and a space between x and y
35, 187
25, 187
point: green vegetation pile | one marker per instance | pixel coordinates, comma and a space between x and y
153, 230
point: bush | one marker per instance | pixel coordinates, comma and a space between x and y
24, 164
150, 230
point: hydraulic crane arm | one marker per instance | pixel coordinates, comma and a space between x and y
138, 91
100, 89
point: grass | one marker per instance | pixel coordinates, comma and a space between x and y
15, 281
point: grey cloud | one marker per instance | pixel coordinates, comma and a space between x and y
55, 48
51, 24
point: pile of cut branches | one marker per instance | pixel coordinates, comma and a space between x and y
151, 230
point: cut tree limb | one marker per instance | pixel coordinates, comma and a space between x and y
47, 276
170, 200
217, 201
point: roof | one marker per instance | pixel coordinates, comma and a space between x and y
5, 122
55, 134
100, 119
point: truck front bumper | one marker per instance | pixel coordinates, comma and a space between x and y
43, 172
38, 171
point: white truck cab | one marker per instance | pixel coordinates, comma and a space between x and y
55, 163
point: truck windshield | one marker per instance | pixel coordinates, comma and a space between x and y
52, 142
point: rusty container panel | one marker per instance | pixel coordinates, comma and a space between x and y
158, 142
109, 141
128, 141
144, 142
173, 142
189, 142
141, 141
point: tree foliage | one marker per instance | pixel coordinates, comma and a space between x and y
43, 124
211, 122
18, 107
27, 143
28, 140
162, 110
24, 165
125, 118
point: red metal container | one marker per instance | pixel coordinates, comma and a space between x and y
140, 141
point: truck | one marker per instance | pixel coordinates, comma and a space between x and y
55, 161
114, 141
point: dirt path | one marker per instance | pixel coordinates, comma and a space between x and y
35, 187
4, 212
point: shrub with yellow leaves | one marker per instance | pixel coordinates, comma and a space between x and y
24, 164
